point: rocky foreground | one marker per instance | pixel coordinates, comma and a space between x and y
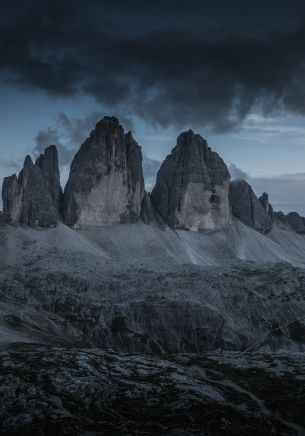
45, 390
105, 265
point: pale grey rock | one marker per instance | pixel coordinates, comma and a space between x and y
192, 186
33, 198
247, 208
106, 183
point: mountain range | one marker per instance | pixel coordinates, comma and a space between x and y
106, 187
116, 303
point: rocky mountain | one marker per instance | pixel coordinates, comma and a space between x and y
48, 163
192, 186
143, 327
33, 198
106, 184
106, 187
264, 200
246, 207
296, 222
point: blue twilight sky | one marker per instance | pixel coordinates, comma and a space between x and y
232, 73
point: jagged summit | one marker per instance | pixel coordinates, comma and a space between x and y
248, 208
296, 222
106, 184
48, 163
34, 197
264, 200
192, 186
106, 187
108, 122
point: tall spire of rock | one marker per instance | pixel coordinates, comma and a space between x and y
192, 186
48, 163
264, 200
106, 183
31, 198
247, 208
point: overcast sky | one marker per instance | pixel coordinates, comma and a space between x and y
232, 71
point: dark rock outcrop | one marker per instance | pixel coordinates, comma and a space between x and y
280, 217
296, 222
264, 200
192, 186
247, 208
292, 220
106, 183
149, 214
48, 163
33, 198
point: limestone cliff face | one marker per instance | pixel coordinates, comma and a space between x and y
192, 186
248, 209
48, 163
33, 198
106, 183
264, 200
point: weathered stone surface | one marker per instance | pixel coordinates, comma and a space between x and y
48, 163
247, 208
106, 183
264, 200
296, 222
33, 197
1, 219
149, 214
192, 186
68, 391
281, 216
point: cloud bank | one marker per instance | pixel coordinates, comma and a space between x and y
286, 191
166, 73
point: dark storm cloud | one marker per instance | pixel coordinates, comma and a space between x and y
68, 135
169, 63
50, 136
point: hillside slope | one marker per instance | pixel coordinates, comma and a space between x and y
137, 288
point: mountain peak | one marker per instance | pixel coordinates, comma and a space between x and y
34, 197
192, 186
106, 184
